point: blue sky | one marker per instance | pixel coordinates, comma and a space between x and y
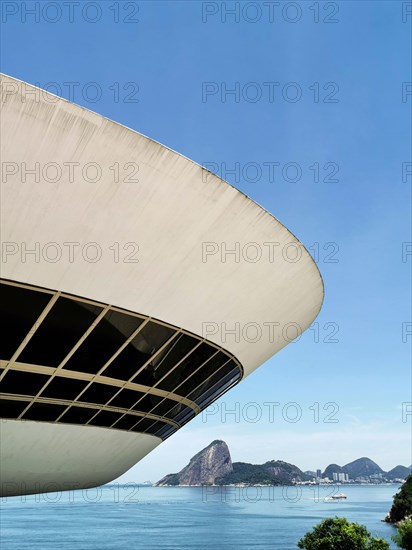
360, 62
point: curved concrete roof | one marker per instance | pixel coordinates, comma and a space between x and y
170, 212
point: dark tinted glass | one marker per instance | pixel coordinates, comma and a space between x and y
186, 366
166, 431
179, 412
23, 383
44, 412
20, 309
215, 379
101, 344
126, 399
63, 326
64, 388
143, 424
155, 427
217, 393
138, 352
98, 393
185, 415
78, 415
104, 418
126, 422
152, 337
189, 365
149, 426
174, 352
124, 323
218, 389
164, 406
147, 403
198, 378
11, 409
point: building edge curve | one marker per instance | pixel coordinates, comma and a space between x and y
176, 208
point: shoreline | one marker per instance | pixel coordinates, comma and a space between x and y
259, 485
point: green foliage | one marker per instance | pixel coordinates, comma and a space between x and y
340, 534
250, 474
403, 537
274, 472
402, 502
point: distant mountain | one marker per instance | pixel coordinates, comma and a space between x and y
399, 472
274, 472
213, 465
365, 467
212, 462
331, 469
362, 467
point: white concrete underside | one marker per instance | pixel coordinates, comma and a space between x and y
39, 457
170, 212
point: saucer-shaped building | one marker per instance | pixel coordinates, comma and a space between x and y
136, 288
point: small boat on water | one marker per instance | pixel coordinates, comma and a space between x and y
339, 496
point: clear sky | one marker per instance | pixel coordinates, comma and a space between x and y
321, 89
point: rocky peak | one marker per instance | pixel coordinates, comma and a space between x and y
209, 464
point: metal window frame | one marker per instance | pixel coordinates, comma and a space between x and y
60, 371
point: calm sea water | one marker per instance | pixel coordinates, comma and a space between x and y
131, 517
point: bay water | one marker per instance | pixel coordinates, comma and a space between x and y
130, 516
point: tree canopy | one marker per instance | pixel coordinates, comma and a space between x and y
340, 534
402, 502
403, 537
